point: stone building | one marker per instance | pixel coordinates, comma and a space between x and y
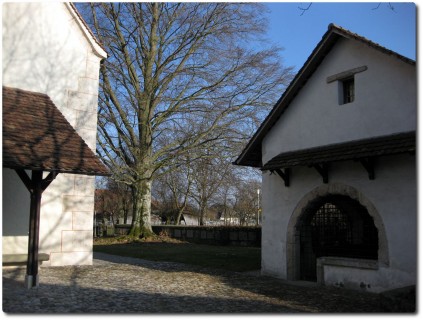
337, 154
51, 57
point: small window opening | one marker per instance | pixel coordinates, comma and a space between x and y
347, 91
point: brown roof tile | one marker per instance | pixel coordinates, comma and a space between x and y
36, 136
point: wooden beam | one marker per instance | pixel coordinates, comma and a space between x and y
49, 179
323, 170
29, 183
36, 186
345, 74
285, 175
369, 165
25, 179
31, 278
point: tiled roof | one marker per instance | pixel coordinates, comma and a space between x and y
251, 155
353, 150
36, 136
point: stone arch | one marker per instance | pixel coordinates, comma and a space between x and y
332, 189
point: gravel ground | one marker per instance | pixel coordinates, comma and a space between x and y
128, 285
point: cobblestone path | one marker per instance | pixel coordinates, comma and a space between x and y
126, 285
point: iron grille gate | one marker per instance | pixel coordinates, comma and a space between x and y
330, 231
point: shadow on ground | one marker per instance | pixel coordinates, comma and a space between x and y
310, 297
128, 285
70, 298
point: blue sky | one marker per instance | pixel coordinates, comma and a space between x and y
299, 34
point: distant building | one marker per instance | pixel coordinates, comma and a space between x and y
339, 169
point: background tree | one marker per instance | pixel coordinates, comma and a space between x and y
173, 190
246, 203
178, 76
210, 172
114, 200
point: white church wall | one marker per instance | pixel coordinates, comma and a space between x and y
45, 50
385, 102
392, 193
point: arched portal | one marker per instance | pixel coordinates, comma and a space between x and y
333, 220
335, 226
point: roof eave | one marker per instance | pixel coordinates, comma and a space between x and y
297, 83
94, 43
333, 33
68, 171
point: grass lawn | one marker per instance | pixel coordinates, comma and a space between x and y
222, 257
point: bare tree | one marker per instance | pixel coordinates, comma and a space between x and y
209, 174
246, 206
114, 200
121, 193
178, 76
174, 190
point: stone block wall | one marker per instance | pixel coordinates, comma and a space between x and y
216, 235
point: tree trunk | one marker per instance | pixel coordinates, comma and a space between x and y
133, 231
145, 213
180, 211
125, 216
202, 212
141, 223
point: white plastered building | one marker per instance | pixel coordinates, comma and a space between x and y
337, 154
48, 48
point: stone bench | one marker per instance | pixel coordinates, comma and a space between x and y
342, 262
17, 259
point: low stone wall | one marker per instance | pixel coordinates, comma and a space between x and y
122, 229
219, 235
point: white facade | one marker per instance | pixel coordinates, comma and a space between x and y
48, 49
385, 104
392, 195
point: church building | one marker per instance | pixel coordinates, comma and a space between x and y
338, 161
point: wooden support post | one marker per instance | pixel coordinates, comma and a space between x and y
285, 175
31, 279
323, 170
35, 185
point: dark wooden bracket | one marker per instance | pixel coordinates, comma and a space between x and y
31, 184
285, 175
369, 165
323, 170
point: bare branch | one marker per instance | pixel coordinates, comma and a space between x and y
179, 80
304, 9
389, 5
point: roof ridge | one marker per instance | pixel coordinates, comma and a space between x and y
332, 27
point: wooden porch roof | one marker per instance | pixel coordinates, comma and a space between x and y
353, 150
36, 136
